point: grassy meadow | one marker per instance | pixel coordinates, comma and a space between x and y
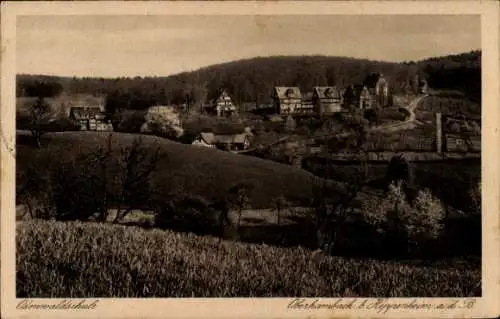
78, 260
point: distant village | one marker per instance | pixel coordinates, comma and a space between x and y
321, 101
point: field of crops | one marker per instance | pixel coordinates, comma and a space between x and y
74, 259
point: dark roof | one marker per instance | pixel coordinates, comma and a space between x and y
211, 138
81, 113
358, 89
214, 95
223, 96
208, 137
327, 92
284, 92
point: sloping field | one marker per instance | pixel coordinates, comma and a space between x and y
79, 260
186, 169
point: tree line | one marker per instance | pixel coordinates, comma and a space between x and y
252, 80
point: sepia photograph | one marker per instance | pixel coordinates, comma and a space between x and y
248, 155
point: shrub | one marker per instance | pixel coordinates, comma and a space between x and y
425, 222
131, 121
72, 192
62, 124
412, 226
371, 116
163, 121
189, 213
398, 170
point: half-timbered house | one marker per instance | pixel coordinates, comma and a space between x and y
221, 105
89, 118
287, 99
326, 100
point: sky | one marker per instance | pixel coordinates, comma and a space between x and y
111, 46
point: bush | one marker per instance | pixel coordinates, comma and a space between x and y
131, 121
406, 228
74, 195
189, 214
64, 192
398, 170
424, 223
371, 116
163, 121
62, 124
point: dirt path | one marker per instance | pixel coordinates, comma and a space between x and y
410, 122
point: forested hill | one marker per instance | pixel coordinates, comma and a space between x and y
458, 72
252, 80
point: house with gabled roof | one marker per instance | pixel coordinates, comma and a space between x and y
287, 99
327, 100
378, 87
423, 87
373, 92
232, 142
89, 118
221, 104
206, 139
364, 97
357, 96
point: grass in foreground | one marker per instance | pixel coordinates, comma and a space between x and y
87, 259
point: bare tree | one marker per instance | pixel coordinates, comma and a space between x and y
279, 205
238, 198
136, 163
40, 113
332, 207
102, 180
222, 207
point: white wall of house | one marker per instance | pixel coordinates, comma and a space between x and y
201, 142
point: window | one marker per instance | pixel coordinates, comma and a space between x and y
290, 93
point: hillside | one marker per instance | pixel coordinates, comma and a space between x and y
460, 72
253, 79
186, 169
